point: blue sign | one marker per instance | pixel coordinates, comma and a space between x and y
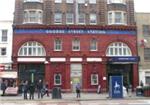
74, 31
124, 59
116, 87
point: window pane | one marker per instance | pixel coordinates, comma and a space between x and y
81, 18
93, 19
3, 51
31, 49
92, 1
118, 17
146, 53
76, 45
69, 18
118, 49
93, 45
58, 1
4, 35
146, 30
69, 1
81, 1
58, 18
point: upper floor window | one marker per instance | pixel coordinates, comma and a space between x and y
146, 30
93, 19
3, 51
118, 49
94, 79
93, 45
69, 18
117, 17
57, 45
146, 53
33, 0
76, 45
33, 16
81, 18
57, 79
58, 18
69, 1
92, 1
58, 1
4, 35
81, 1
32, 48
117, 1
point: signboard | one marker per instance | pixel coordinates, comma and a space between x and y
124, 59
116, 87
8, 74
74, 31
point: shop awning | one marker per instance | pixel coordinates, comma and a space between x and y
8, 74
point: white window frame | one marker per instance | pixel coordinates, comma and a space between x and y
93, 19
58, 18
33, 0
93, 79
57, 45
28, 17
69, 1
112, 18
58, 1
70, 16
75, 45
4, 37
116, 1
32, 48
93, 44
81, 18
92, 1
55, 83
118, 49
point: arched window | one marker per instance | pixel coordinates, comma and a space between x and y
118, 49
32, 48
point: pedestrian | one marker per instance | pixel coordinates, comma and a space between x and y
31, 91
3, 87
26, 89
78, 87
39, 89
99, 89
46, 91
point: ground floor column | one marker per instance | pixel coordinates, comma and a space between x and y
135, 76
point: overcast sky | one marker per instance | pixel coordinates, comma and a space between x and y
7, 8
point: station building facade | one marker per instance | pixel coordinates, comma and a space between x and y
65, 42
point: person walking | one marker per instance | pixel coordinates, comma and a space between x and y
99, 89
26, 88
78, 91
46, 91
39, 89
31, 91
3, 87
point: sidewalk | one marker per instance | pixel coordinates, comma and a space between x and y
71, 97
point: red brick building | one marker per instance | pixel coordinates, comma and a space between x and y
48, 46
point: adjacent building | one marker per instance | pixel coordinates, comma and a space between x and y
5, 45
143, 31
65, 42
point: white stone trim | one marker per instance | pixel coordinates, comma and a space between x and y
94, 59
31, 59
76, 60
57, 59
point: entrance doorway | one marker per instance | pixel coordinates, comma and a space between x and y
76, 75
31, 72
121, 69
